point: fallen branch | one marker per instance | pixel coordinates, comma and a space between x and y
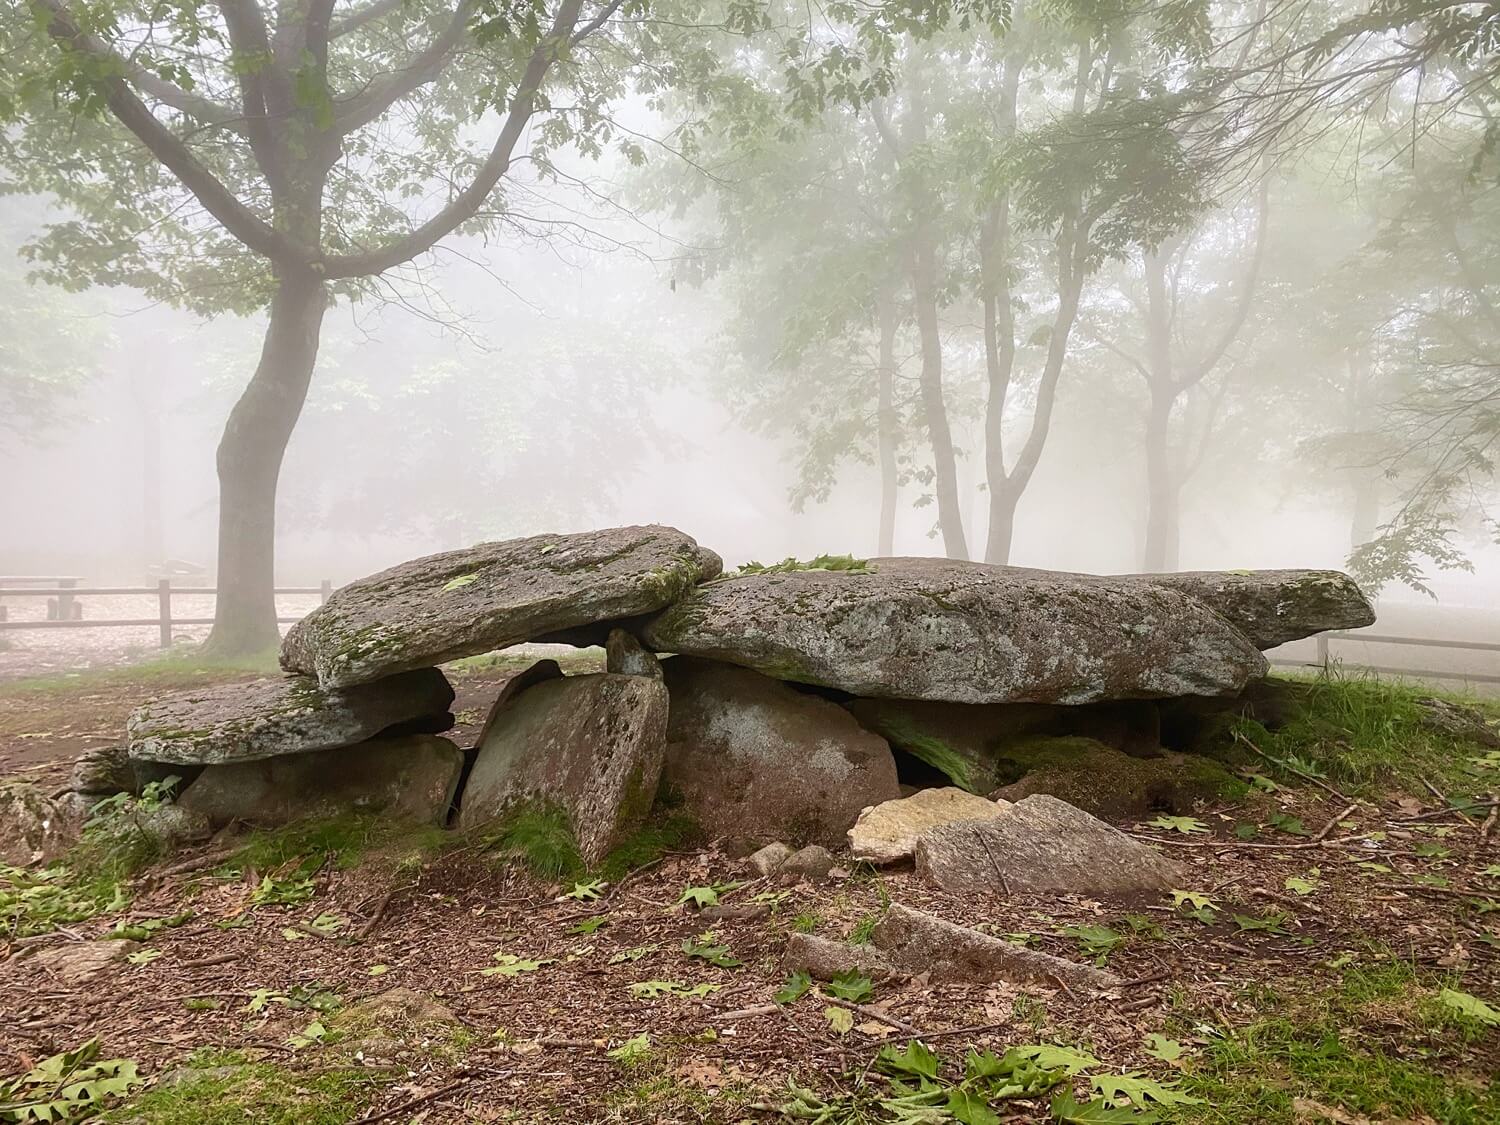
1318, 781
748, 1013
1327, 828
205, 962
1438, 892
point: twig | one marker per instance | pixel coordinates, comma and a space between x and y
369, 927
1438, 892
413, 1103
1062, 984
1448, 811
1327, 828
205, 962
1489, 822
977, 1029
748, 1013
1318, 781
1254, 844
1436, 792
873, 1013
207, 860
1004, 882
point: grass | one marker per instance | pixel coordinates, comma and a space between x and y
180, 667
1362, 731
539, 836
226, 1090
341, 841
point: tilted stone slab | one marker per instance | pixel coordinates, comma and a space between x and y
1042, 846
1272, 607
752, 756
964, 632
461, 603
284, 715
412, 778
591, 745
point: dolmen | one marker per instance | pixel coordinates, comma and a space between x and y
776, 704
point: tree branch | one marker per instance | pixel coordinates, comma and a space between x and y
597, 22
361, 16
1200, 370
169, 149
467, 203
366, 106
263, 90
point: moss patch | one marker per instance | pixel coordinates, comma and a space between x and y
259, 1092
1108, 783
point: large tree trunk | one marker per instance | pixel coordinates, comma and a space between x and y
249, 460
1159, 552
886, 422
945, 470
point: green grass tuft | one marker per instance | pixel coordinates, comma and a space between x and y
662, 832
539, 836
341, 840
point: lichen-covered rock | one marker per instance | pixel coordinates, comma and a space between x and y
965, 741
1102, 781
1042, 846
624, 655
591, 745
103, 772
412, 778
768, 860
749, 755
80, 962
486, 597
888, 832
282, 715
35, 828
1272, 607
911, 628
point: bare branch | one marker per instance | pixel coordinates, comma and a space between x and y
597, 22
367, 105
169, 149
466, 204
362, 16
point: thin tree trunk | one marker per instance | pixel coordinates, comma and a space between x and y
1161, 487
945, 472
886, 422
999, 340
249, 461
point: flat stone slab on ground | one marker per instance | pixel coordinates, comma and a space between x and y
921, 628
1042, 846
591, 745
284, 715
412, 778
462, 603
888, 832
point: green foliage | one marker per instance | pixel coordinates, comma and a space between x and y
796, 986
228, 1091
822, 562
851, 985
707, 947
67, 1087
539, 836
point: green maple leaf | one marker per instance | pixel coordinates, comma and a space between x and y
586, 892
589, 925
509, 965
651, 989
1051, 1056
1069, 1111
1470, 1006
851, 985
460, 582
970, 1108
1195, 899
1298, 885
915, 1059
631, 1051
1136, 1089
706, 948
795, 987
841, 1020
1158, 1046
143, 956
1184, 824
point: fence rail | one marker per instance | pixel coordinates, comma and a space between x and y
69, 612
1325, 655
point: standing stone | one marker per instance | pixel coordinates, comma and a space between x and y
888, 832
624, 655
461, 603
412, 779
591, 745
1272, 607
1042, 846
284, 715
912, 628
751, 756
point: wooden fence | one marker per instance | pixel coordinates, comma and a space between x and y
1326, 655
67, 613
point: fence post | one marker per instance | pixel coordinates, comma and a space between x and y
65, 599
1323, 651
164, 610
325, 588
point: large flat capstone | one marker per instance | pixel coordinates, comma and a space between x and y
1272, 607
914, 628
284, 715
591, 745
461, 603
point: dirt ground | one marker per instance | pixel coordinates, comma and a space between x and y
1357, 911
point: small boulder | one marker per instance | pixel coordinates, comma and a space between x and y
79, 963
591, 745
768, 860
1042, 846
103, 772
813, 862
751, 756
241, 722
624, 655
490, 596
35, 828
412, 778
888, 832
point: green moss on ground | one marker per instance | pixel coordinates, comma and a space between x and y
232, 1093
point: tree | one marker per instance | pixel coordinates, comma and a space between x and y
235, 158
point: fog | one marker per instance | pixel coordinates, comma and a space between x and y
640, 333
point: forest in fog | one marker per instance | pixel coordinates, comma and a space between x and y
1103, 286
